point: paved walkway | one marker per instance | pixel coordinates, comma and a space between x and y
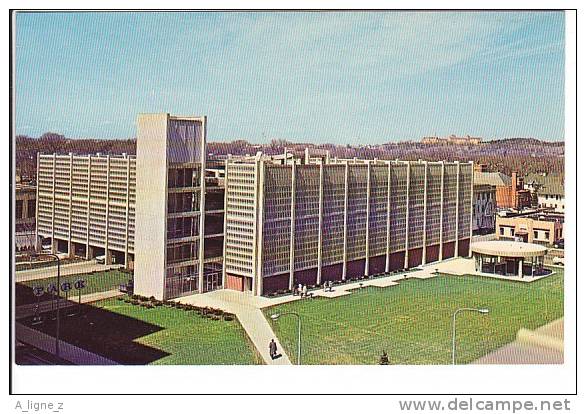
66, 270
29, 310
247, 309
67, 351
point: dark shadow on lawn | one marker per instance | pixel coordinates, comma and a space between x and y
102, 332
24, 295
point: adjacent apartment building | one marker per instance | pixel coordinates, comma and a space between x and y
548, 191
510, 191
291, 221
531, 227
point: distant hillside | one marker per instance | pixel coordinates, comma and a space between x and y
525, 155
49, 143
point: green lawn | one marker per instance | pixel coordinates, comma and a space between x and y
95, 282
189, 338
134, 335
412, 321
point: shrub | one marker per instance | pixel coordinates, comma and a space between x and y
119, 298
152, 299
135, 302
228, 317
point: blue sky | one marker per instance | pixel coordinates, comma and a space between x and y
308, 77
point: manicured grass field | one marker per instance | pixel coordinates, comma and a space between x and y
95, 282
131, 334
412, 321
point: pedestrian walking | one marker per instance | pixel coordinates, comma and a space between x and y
273, 349
304, 290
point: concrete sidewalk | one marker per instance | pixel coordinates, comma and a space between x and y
66, 270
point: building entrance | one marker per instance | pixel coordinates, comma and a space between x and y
247, 284
212, 281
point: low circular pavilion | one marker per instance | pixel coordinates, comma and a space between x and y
509, 258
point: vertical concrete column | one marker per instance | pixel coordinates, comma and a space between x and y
258, 276
24, 212
320, 223
368, 191
127, 211
345, 251
292, 238
257, 227
108, 260
457, 244
53, 244
202, 204
441, 229
70, 253
38, 246
107, 249
226, 186
388, 249
425, 175
406, 264
89, 193
471, 206
521, 267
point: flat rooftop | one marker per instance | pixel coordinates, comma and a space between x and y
508, 248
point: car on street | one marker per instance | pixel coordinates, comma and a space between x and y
558, 261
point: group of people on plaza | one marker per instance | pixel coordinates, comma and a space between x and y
300, 290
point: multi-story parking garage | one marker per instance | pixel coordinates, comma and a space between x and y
86, 205
292, 220
287, 220
149, 209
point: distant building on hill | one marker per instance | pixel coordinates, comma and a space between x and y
452, 139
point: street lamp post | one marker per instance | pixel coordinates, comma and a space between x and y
58, 295
277, 316
483, 311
